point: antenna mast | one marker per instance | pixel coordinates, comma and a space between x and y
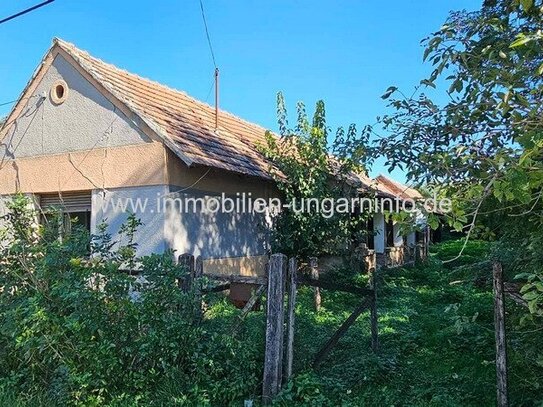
216, 98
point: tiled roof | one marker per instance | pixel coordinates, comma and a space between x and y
186, 124
396, 188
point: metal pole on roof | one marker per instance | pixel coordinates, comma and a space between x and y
216, 98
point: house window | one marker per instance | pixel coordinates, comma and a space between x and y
74, 206
78, 219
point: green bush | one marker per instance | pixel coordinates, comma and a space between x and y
78, 330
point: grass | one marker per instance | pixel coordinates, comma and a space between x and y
436, 337
437, 341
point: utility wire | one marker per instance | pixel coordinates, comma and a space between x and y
210, 89
16, 100
8, 103
6, 124
207, 34
28, 10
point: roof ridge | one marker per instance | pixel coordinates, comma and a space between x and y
403, 188
72, 47
396, 182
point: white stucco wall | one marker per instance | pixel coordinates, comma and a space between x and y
420, 219
379, 239
210, 234
142, 201
86, 120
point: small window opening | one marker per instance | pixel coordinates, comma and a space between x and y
59, 91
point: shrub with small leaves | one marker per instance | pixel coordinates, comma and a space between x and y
83, 331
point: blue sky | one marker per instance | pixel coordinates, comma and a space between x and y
345, 52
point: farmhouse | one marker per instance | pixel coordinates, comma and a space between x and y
87, 136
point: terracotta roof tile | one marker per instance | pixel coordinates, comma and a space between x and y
396, 188
186, 122
188, 125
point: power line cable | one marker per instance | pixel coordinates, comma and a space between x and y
9, 103
6, 124
207, 34
16, 100
210, 89
28, 10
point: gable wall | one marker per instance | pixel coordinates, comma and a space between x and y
82, 144
86, 120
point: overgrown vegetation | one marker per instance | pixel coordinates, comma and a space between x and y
482, 146
77, 331
311, 163
80, 330
437, 342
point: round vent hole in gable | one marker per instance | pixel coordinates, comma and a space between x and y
59, 92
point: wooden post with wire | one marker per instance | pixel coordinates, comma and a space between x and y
501, 344
273, 357
373, 312
291, 307
214, 64
186, 260
197, 278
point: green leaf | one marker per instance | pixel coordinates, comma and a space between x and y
530, 296
426, 53
521, 40
457, 226
433, 221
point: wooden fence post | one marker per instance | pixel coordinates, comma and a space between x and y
291, 281
501, 345
427, 246
273, 358
187, 260
314, 266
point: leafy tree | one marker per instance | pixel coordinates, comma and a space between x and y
484, 145
308, 167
